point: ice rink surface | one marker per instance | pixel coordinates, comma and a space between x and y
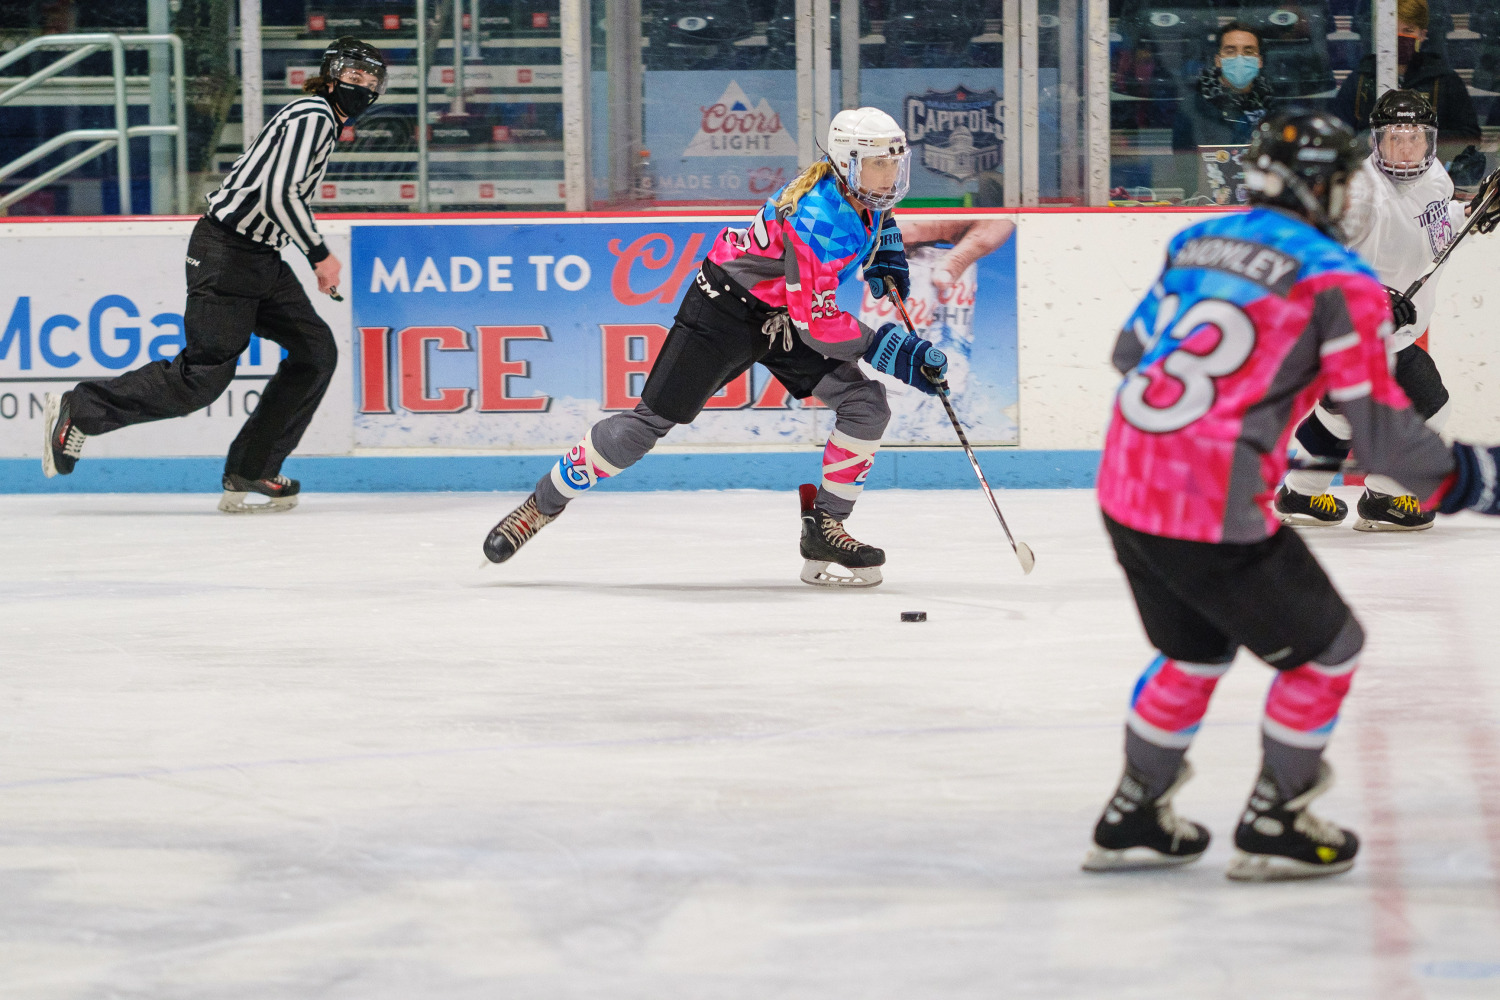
324, 755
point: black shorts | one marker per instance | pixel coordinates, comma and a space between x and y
1201, 601
713, 341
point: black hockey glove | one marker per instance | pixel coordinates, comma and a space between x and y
1467, 168
890, 261
1475, 487
1401, 308
1489, 187
903, 355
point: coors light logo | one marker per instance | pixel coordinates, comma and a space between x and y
959, 132
731, 127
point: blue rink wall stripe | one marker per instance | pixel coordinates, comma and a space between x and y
895, 468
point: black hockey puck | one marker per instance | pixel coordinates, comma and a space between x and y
914, 616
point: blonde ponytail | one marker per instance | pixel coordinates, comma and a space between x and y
803, 183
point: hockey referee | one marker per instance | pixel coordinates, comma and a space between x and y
237, 285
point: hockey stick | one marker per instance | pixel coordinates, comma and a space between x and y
1021, 549
1437, 261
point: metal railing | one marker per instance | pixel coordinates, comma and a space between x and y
103, 138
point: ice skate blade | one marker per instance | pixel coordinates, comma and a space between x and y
1305, 521
234, 503
1245, 867
49, 417
817, 573
1365, 524
1133, 859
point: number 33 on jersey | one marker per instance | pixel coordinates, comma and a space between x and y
1255, 317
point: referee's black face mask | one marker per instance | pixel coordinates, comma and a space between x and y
352, 99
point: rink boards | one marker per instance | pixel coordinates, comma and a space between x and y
473, 347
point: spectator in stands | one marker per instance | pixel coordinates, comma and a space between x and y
1418, 69
1231, 96
1229, 100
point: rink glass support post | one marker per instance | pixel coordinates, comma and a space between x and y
252, 86
849, 52
1385, 46
1010, 107
573, 17
1096, 102
822, 24
1030, 96
806, 147
423, 195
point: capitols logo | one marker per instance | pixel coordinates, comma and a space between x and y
959, 132
731, 127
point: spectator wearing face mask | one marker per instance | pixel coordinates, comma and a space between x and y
1423, 70
1229, 100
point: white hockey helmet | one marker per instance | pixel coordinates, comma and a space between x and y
859, 135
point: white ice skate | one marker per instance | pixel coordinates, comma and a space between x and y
280, 494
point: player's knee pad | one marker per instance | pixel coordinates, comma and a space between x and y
846, 464
1325, 434
578, 470
863, 412
1418, 376
1303, 704
1170, 700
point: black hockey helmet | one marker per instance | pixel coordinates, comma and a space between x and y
1302, 160
349, 52
1403, 134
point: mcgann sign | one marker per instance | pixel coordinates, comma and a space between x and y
960, 131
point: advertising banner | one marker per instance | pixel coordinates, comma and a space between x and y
77, 307
521, 335
720, 135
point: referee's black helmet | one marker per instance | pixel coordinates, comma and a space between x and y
349, 52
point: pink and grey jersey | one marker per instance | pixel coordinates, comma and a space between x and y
1255, 318
797, 259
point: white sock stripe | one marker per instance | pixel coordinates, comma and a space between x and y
1202, 669
848, 491
1293, 737
1157, 735
598, 460
1336, 669
858, 446
847, 463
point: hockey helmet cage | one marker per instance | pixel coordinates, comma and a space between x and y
858, 135
1403, 134
1302, 160
349, 52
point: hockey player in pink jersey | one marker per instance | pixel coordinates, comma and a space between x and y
1255, 317
1407, 217
767, 293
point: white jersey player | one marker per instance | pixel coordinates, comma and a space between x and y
1401, 215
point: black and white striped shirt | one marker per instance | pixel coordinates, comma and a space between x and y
265, 195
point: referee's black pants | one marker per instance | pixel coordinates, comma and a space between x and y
236, 287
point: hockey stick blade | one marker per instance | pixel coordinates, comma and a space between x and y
1023, 551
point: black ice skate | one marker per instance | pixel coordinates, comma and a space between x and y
1383, 512
1300, 509
825, 544
1282, 840
515, 530
1134, 834
64, 442
279, 491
